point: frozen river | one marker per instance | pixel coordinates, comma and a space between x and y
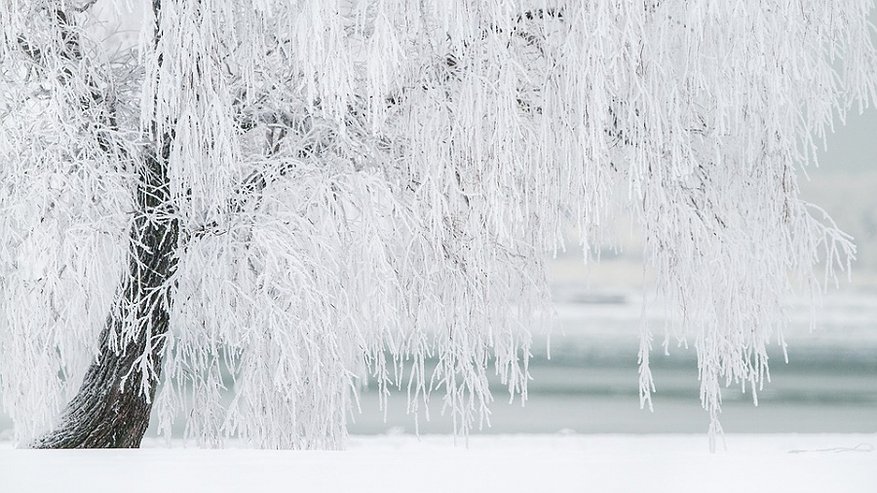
590, 384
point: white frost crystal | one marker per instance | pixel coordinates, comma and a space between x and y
416, 162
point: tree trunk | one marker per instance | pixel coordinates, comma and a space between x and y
112, 407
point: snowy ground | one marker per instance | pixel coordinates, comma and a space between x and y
833, 463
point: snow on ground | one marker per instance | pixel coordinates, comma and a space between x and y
834, 463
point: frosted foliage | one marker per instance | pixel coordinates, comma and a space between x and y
367, 187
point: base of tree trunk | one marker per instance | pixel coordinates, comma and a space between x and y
104, 414
112, 407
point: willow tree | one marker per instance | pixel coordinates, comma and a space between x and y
314, 194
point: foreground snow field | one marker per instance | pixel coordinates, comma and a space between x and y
506, 463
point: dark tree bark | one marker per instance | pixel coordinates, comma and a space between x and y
111, 409
114, 402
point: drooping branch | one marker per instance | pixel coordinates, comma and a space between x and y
411, 220
307, 136
92, 101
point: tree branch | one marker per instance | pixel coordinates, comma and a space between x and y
69, 51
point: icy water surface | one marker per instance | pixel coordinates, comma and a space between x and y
597, 393
590, 383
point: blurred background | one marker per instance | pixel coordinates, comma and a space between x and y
590, 383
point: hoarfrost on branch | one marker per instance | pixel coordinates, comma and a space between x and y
363, 186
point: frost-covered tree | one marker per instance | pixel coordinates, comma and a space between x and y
314, 194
